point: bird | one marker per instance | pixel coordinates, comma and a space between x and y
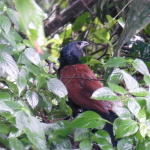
81, 82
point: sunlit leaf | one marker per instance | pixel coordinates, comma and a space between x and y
88, 119
141, 92
116, 62
32, 98
57, 87
127, 127
8, 64
134, 106
116, 88
125, 144
104, 93
85, 144
140, 66
33, 56
5, 23
103, 139
15, 144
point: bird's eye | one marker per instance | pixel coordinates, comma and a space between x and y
79, 43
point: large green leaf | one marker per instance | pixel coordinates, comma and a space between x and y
34, 130
21, 83
88, 119
130, 82
15, 144
134, 106
116, 62
8, 64
32, 98
140, 66
13, 15
125, 144
33, 56
127, 127
33, 22
103, 139
5, 23
104, 93
116, 88
141, 92
57, 87
85, 145
81, 134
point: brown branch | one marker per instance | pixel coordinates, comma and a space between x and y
98, 79
69, 15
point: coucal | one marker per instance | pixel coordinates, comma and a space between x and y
81, 83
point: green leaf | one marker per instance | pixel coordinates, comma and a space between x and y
122, 112
116, 76
4, 96
32, 127
33, 56
5, 108
85, 145
103, 139
33, 26
4, 129
21, 83
88, 119
130, 82
127, 127
134, 106
13, 15
125, 144
142, 115
116, 88
141, 92
57, 87
116, 62
143, 129
5, 23
104, 93
81, 134
8, 64
15, 144
147, 79
140, 66
148, 103
32, 98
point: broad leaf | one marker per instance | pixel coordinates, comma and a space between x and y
103, 139
57, 87
130, 82
88, 119
147, 79
141, 92
140, 66
8, 64
116, 62
5, 23
127, 127
81, 134
116, 88
32, 98
133, 106
85, 145
15, 144
125, 144
33, 56
5, 96
104, 93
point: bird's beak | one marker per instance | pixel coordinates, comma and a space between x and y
83, 44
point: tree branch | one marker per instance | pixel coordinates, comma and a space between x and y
69, 15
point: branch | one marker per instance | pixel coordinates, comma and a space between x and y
69, 15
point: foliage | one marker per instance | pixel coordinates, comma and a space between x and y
33, 108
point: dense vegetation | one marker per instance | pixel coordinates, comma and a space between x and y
33, 110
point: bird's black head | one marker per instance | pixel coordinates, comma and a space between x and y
71, 53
